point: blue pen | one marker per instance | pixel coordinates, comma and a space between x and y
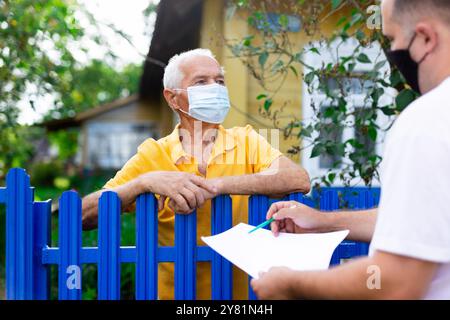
262, 225
265, 223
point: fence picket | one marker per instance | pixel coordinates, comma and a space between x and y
185, 260
41, 236
147, 247
257, 209
19, 235
109, 246
221, 269
69, 271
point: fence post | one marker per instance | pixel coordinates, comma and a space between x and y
109, 208
257, 210
42, 232
185, 257
19, 235
146, 247
221, 269
296, 196
69, 272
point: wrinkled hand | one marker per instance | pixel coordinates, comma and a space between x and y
207, 195
295, 217
276, 284
186, 191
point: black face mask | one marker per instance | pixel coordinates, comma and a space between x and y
406, 65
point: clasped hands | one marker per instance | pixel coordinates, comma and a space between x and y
186, 191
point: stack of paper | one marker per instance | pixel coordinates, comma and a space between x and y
261, 250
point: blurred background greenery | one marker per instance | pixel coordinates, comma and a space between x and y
45, 53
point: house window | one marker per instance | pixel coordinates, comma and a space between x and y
329, 132
355, 88
350, 85
369, 146
110, 145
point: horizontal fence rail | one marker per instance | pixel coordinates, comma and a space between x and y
29, 253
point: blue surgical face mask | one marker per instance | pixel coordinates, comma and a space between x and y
208, 103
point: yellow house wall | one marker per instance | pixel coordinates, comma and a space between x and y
243, 88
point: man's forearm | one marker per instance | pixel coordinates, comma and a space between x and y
272, 183
381, 276
126, 192
360, 223
348, 281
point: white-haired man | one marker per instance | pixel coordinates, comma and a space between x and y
199, 161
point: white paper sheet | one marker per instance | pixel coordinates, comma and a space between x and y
261, 250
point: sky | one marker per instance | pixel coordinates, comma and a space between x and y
125, 16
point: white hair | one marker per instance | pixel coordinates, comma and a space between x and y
173, 74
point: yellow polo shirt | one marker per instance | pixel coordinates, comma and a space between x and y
236, 151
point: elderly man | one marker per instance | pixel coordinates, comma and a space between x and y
198, 161
410, 231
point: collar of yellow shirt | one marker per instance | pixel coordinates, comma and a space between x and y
224, 142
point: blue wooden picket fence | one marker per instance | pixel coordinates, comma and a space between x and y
29, 252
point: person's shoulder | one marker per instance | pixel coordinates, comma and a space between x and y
242, 132
239, 129
149, 145
428, 115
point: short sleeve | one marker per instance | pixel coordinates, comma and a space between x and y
414, 212
261, 153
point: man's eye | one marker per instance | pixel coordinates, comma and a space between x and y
221, 82
200, 82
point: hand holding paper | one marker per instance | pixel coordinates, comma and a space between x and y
260, 250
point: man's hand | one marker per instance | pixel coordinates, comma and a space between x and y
274, 284
185, 190
214, 184
295, 217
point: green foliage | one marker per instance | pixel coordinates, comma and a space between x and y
95, 84
34, 55
16, 146
37, 43
44, 173
37, 40
270, 56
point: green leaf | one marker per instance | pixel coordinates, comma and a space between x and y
396, 78
267, 104
277, 66
261, 96
315, 50
309, 77
388, 111
317, 150
283, 20
263, 58
294, 70
380, 65
372, 132
248, 41
363, 58
360, 35
351, 67
335, 3
404, 98
331, 177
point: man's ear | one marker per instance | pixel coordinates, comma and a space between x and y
428, 39
170, 97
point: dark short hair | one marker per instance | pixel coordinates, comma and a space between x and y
405, 8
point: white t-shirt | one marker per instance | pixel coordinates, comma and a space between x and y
414, 212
